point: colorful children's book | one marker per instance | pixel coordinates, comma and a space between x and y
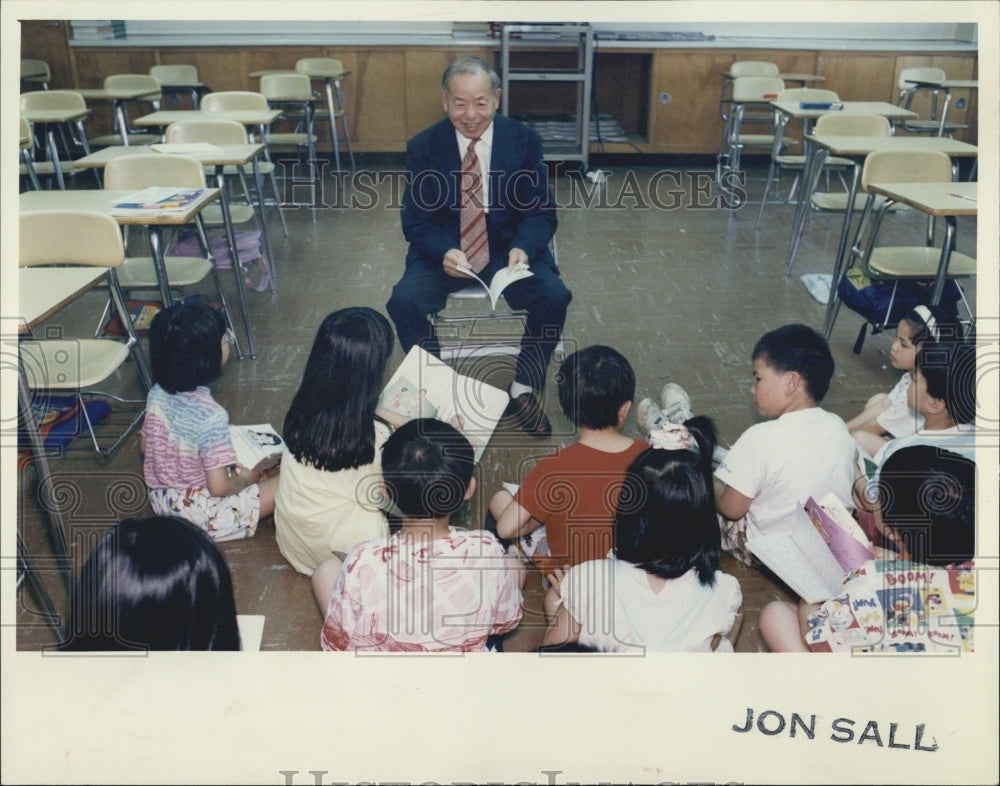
825, 544
500, 281
257, 447
426, 387
893, 606
155, 199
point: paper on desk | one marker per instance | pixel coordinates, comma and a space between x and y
184, 147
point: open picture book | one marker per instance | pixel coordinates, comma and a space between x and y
827, 543
426, 387
257, 447
500, 281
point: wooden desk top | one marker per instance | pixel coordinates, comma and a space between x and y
211, 155
246, 117
55, 115
863, 145
936, 199
101, 200
100, 94
314, 74
44, 291
883, 108
971, 84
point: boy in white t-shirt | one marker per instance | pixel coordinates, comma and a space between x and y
801, 451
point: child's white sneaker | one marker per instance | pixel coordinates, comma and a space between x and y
676, 403
648, 415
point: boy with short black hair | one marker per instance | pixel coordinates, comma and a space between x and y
574, 492
430, 587
801, 451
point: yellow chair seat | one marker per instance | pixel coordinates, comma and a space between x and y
71, 364
917, 262
139, 273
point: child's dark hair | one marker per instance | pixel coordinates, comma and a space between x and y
933, 323
666, 522
928, 497
949, 369
801, 349
594, 384
185, 346
330, 421
427, 466
158, 583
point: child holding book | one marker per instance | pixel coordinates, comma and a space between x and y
430, 587
573, 492
887, 415
660, 590
802, 450
928, 520
190, 464
328, 499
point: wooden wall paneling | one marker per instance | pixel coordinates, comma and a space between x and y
46, 40
380, 85
690, 121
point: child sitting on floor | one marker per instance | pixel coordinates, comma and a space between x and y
429, 587
801, 451
190, 464
943, 391
573, 492
158, 584
327, 498
919, 595
887, 415
661, 590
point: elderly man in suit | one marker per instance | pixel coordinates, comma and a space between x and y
478, 197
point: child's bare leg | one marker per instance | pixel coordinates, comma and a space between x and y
876, 405
871, 443
518, 568
551, 605
782, 627
499, 502
267, 489
323, 579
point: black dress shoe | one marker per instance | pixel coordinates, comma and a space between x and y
526, 413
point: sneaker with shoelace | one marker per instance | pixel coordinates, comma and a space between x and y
676, 403
648, 415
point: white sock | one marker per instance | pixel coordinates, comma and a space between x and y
519, 389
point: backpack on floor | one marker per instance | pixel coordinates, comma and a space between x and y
248, 248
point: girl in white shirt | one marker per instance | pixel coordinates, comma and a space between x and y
659, 589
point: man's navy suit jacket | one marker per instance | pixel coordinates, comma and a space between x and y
521, 210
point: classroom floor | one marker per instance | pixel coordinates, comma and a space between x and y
680, 286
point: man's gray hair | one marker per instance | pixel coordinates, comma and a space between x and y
470, 65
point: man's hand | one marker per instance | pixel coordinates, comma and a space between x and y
454, 259
516, 257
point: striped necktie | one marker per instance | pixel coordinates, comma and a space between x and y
474, 242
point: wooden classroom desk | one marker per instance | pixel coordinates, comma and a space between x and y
857, 147
219, 157
118, 99
331, 83
947, 85
947, 200
50, 119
